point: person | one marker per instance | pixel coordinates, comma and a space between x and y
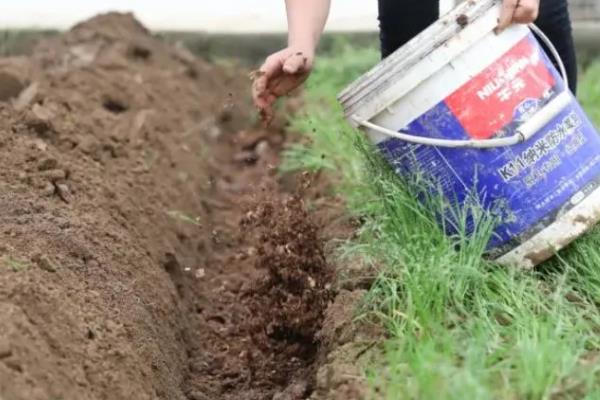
399, 21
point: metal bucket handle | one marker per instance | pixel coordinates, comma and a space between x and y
536, 122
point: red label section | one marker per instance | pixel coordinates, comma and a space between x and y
486, 104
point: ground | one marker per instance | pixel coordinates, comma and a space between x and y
151, 246
149, 249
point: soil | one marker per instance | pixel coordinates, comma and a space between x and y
148, 248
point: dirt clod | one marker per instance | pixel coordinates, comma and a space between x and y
5, 349
63, 191
44, 263
10, 86
462, 20
247, 157
26, 97
262, 148
296, 391
47, 163
114, 106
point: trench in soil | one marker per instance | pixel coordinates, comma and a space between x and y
149, 249
257, 305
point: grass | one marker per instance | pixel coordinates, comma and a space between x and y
589, 92
251, 49
14, 264
183, 217
14, 42
459, 327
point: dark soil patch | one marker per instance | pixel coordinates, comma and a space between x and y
296, 290
138, 259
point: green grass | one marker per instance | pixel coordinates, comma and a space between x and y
459, 327
589, 92
14, 264
183, 217
251, 49
15, 42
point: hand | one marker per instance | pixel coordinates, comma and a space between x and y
517, 11
281, 73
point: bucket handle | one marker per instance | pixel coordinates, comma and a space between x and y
526, 130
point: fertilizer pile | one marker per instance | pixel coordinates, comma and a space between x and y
126, 168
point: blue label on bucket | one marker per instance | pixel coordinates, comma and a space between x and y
531, 182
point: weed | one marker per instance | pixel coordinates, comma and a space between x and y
14, 264
181, 216
18, 42
589, 92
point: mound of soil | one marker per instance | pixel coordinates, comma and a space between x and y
126, 168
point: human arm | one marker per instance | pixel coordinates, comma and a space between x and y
287, 69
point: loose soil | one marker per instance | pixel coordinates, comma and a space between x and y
148, 249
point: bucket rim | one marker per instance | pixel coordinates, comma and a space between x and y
368, 87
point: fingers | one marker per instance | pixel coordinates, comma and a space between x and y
258, 92
295, 63
506, 14
266, 111
263, 101
270, 68
517, 11
260, 100
526, 12
284, 84
260, 85
280, 74
278, 86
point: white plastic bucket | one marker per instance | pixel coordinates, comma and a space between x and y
479, 111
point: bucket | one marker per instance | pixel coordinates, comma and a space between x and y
486, 113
